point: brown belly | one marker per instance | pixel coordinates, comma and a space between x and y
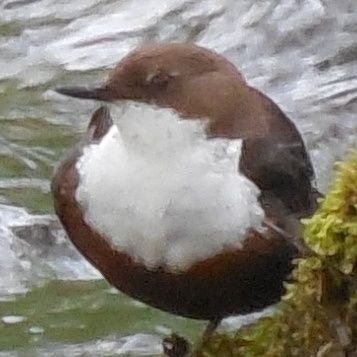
233, 282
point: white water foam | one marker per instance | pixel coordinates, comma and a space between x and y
163, 193
33, 248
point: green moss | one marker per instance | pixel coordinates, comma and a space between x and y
318, 314
332, 231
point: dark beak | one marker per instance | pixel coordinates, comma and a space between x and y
85, 93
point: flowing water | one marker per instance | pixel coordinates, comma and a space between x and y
302, 53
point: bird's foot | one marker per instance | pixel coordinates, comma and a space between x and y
176, 346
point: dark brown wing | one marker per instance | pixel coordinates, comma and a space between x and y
279, 164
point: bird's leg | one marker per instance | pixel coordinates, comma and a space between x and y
177, 346
207, 333
209, 330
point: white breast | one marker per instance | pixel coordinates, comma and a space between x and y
164, 194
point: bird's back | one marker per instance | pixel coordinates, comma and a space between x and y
280, 165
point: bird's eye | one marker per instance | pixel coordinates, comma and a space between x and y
159, 79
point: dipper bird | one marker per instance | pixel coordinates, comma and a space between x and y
184, 194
